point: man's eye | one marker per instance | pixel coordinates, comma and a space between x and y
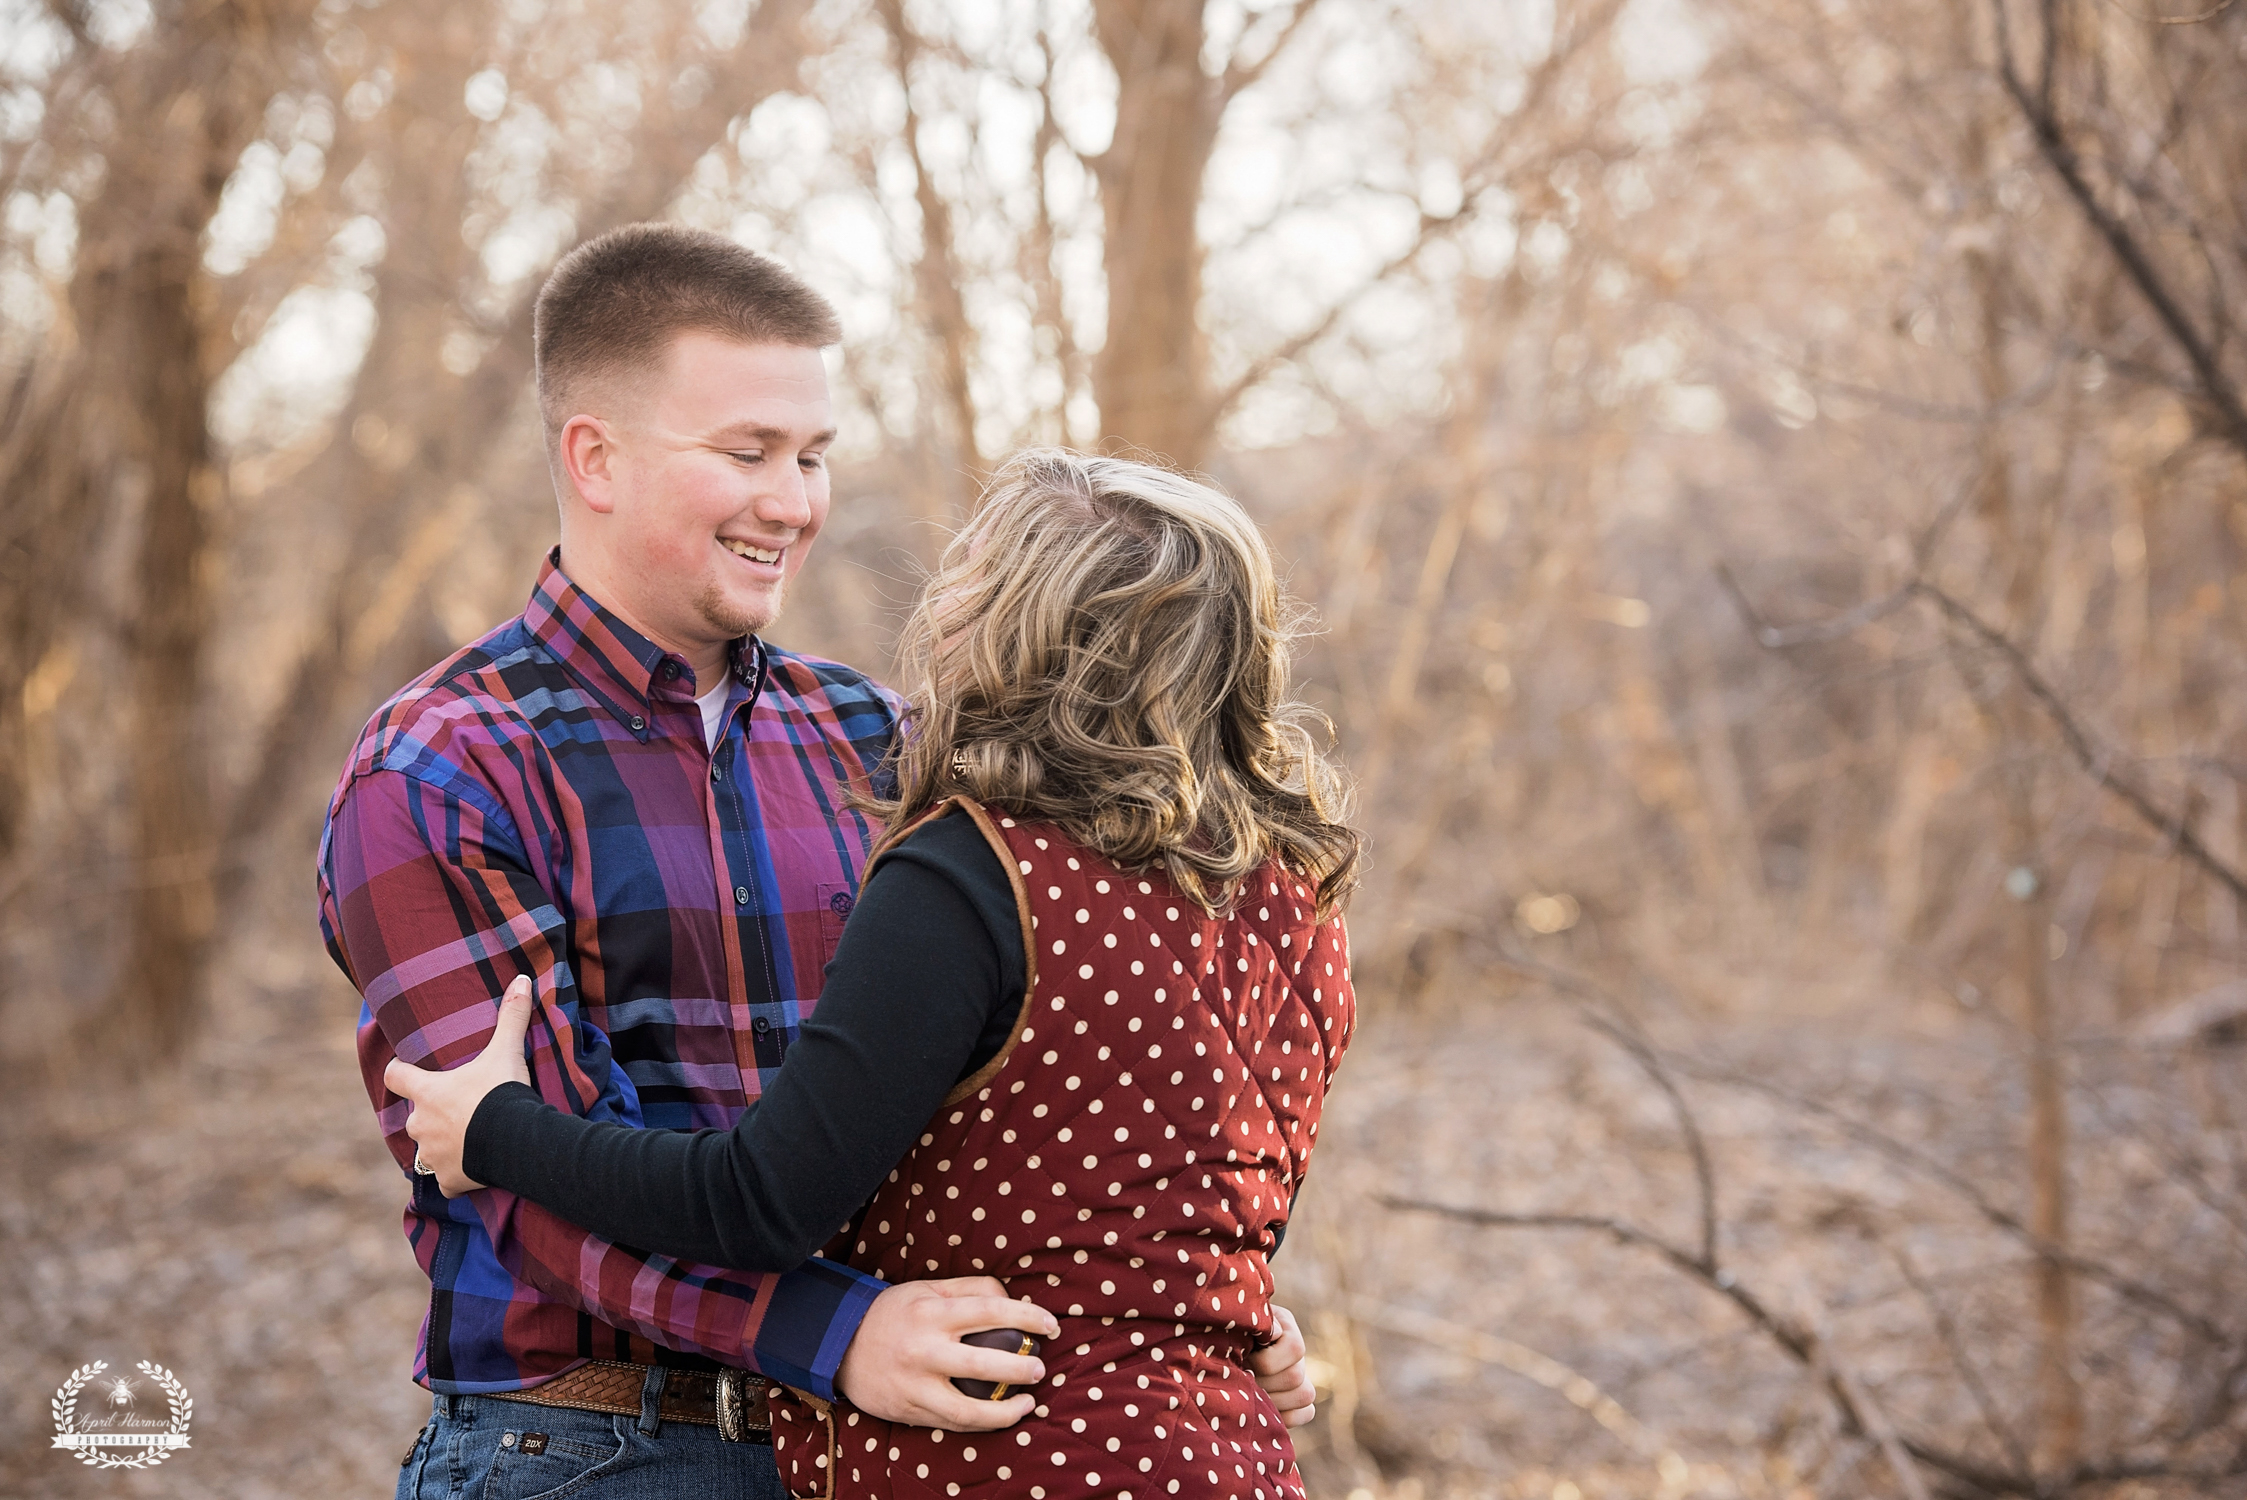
814, 460
747, 458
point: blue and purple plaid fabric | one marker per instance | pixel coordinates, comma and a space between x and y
542, 803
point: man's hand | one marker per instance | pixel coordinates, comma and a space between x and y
444, 1102
1283, 1368
901, 1365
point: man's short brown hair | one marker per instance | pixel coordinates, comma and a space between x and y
614, 304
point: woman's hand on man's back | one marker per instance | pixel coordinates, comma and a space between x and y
1283, 1369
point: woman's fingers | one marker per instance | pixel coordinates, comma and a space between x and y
405, 1080
1291, 1393
1286, 1348
506, 1045
1283, 1369
437, 1146
451, 1180
502, 1055
445, 1101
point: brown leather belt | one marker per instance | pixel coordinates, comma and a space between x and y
732, 1401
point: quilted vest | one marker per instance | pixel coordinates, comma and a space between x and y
1124, 1163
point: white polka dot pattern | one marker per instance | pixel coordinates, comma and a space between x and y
1123, 1164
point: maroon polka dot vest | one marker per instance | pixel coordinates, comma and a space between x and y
1124, 1163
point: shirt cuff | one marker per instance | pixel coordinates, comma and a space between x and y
814, 1314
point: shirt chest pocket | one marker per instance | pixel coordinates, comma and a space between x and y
835, 902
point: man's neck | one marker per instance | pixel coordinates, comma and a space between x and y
710, 668
710, 660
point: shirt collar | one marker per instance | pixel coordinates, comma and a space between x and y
609, 656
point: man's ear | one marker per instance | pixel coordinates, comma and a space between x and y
588, 455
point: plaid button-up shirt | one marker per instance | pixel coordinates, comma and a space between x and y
543, 803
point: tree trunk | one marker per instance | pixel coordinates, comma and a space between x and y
2019, 546
1149, 378
2020, 543
142, 297
936, 273
51, 518
161, 992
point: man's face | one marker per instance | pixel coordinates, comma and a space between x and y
721, 486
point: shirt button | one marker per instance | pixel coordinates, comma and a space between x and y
638, 723
670, 671
760, 1025
741, 895
717, 773
507, 1440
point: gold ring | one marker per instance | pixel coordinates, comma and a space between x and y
1029, 1345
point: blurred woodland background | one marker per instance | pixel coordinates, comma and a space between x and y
1773, 482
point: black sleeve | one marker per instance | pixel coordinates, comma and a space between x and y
954, 848
924, 988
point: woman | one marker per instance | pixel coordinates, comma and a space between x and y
1083, 1018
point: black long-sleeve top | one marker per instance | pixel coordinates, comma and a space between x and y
925, 988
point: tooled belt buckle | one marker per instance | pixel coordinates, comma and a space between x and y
732, 1403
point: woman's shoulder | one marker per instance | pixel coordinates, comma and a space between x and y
950, 839
1274, 896
1274, 881
951, 846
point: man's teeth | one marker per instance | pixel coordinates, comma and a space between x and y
743, 549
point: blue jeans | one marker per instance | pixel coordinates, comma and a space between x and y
479, 1448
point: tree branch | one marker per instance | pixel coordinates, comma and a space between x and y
1816, 632
1969, 1375
1798, 1343
1571, 1385
2126, 1287
1239, 76
1484, 172
2215, 386
937, 271
1606, 1015
2175, 827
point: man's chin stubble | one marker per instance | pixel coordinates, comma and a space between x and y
734, 621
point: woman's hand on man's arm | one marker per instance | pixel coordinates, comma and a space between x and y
444, 1102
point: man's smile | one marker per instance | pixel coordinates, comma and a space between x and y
751, 552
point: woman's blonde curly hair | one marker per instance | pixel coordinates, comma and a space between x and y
1104, 646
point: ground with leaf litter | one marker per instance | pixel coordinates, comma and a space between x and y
237, 1222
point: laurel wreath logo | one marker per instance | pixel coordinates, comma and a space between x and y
65, 1407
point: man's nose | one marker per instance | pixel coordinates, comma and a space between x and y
786, 501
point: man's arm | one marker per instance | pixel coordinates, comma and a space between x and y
431, 906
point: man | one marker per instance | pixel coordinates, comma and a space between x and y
628, 796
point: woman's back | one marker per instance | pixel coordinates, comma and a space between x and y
1128, 1163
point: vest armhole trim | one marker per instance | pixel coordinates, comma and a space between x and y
966, 1088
